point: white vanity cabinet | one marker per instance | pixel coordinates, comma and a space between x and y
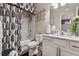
55, 46
48, 49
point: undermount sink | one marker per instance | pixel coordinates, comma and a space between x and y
62, 34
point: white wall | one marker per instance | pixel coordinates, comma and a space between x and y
41, 26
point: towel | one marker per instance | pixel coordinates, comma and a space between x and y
9, 52
13, 53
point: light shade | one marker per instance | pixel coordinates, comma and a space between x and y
62, 4
55, 5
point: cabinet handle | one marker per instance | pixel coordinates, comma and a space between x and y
75, 46
57, 52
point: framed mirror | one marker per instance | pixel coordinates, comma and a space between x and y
66, 21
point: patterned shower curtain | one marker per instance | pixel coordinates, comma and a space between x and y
11, 24
11, 16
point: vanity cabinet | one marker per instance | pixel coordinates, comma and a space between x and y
55, 46
48, 49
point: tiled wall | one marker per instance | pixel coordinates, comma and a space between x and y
24, 30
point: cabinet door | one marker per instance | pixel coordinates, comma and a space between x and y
49, 50
65, 52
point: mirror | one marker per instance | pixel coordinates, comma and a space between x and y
62, 16
66, 21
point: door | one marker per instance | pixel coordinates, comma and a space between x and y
49, 50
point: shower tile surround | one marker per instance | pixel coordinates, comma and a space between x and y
11, 18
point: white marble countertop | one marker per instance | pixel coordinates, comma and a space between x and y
74, 38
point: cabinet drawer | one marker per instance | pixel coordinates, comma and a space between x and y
74, 45
49, 39
60, 42
48, 43
68, 52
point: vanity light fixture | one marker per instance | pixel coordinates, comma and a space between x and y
62, 4
55, 5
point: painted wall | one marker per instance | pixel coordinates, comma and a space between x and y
41, 26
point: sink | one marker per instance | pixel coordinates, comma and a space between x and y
62, 34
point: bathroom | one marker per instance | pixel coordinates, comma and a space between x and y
38, 29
